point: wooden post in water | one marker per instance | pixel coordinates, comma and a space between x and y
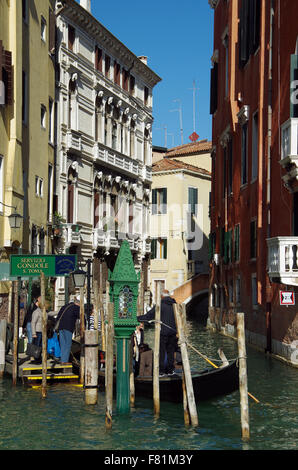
186, 367
82, 330
109, 366
91, 367
243, 376
156, 395
15, 334
96, 303
3, 326
185, 404
101, 311
44, 336
10, 303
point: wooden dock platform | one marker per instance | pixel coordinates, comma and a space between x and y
31, 373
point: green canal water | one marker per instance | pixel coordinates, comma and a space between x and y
63, 421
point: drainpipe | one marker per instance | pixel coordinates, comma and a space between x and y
269, 163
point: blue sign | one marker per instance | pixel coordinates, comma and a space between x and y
65, 264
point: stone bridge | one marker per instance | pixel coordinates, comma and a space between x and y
194, 287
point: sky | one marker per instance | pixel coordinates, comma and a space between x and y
177, 38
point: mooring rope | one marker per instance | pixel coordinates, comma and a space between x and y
203, 356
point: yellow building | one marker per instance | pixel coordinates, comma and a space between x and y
180, 223
27, 96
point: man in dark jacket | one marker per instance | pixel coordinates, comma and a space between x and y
67, 317
168, 332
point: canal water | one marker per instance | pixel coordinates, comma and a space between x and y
63, 421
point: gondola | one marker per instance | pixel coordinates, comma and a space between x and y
207, 384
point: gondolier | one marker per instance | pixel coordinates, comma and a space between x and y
168, 332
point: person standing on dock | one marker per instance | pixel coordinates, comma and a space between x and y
65, 324
36, 323
168, 332
28, 319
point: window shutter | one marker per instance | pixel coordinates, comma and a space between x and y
165, 248
244, 33
214, 88
153, 248
8, 81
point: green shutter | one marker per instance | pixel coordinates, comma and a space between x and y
236, 243
153, 248
165, 248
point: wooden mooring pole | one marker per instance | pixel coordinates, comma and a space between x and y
156, 395
109, 369
3, 327
185, 403
96, 303
44, 337
82, 336
243, 376
15, 334
186, 367
91, 367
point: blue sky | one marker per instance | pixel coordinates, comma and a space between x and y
177, 38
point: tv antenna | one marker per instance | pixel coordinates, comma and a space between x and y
180, 115
194, 89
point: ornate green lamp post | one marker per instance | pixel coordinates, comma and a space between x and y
124, 294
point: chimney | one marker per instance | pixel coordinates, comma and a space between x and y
86, 4
143, 58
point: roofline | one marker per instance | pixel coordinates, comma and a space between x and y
183, 170
90, 24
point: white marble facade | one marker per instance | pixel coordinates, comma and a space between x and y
104, 142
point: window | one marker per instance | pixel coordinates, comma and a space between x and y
117, 72
249, 29
193, 205
159, 248
71, 37
132, 83
159, 201
253, 239
254, 290
51, 121
255, 146
107, 66
231, 292
294, 84
50, 192
38, 186
43, 113
237, 243
98, 59
1, 181
146, 96
214, 88
237, 290
6, 78
230, 166
244, 143
125, 79
43, 27
226, 47
25, 10
114, 135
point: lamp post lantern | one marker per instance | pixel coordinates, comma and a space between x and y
124, 294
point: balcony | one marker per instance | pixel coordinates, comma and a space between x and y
73, 141
115, 159
289, 152
282, 260
72, 234
112, 239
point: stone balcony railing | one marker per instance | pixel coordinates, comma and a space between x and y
112, 239
74, 141
71, 234
120, 161
283, 260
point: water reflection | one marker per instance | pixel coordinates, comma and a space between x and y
63, 421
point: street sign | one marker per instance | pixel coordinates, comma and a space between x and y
287, 298
50, 265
